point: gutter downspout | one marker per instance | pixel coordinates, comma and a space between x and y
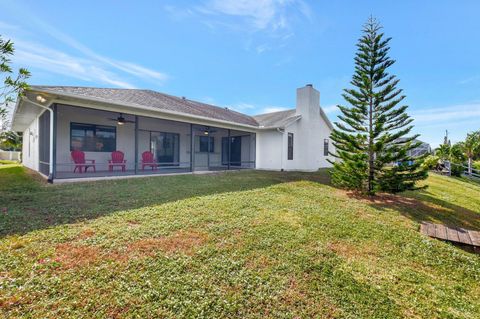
50, 164
281, 131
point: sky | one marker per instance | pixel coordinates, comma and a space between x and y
251, 55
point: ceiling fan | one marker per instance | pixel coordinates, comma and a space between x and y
121, 120
206, 131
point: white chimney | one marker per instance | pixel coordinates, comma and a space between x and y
308, 101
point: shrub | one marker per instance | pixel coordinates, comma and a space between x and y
457, 169
476, 165
430, 162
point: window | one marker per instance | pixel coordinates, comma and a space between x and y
92, 138
290, 146
325, 147
206, 144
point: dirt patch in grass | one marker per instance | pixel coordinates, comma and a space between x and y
351, 251
231, 240
72, 256
183, 242
296, 295
260, 262
18, 300
86, 233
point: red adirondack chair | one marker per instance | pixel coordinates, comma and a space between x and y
149, 160
117, 160
81, 164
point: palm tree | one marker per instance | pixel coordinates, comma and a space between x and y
471, 148
443, 151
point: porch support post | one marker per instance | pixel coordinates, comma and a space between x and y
136, 144
229, 149
192, 141
208, 148
54, 155
255, 151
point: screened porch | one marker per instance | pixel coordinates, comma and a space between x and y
97, 143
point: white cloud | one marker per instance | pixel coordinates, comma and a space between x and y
259, 14
330, 108
38, 56
271, 109
141, 71
128, 67
471, 79
8, 26
82, 63
446, 114
242, 107
264, 25
262, 48
178, 13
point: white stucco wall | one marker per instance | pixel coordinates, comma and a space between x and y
309, 133
269, 150
30, 146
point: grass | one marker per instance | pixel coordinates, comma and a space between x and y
7, 162
246, 244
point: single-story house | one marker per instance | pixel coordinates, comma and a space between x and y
74, 132
422, 148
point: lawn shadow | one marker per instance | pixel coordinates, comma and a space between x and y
422, 206
28, 204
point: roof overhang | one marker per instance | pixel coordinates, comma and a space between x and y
325, 118
26, 112
284, 124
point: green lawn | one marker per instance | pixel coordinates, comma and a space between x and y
241, 244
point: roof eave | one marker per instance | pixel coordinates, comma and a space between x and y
326, 119
285, 123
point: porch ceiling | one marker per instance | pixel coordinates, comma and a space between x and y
24, 115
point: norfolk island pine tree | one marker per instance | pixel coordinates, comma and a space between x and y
370, 139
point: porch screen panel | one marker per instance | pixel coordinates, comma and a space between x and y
44, 142
166, 148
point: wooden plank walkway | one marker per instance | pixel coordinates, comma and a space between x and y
453, 234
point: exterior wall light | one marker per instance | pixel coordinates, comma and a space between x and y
41, 99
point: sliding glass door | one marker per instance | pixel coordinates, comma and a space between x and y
165, 147
234, 148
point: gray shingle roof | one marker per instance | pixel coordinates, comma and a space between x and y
149, 98
275, 119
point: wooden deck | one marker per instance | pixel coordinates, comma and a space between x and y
455, 235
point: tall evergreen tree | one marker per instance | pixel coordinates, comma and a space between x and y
370, 139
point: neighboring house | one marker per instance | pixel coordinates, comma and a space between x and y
181, 134
422, 149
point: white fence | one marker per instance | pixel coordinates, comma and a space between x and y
467, 170
10, 155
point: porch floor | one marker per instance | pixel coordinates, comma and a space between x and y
119, 173
105, 174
